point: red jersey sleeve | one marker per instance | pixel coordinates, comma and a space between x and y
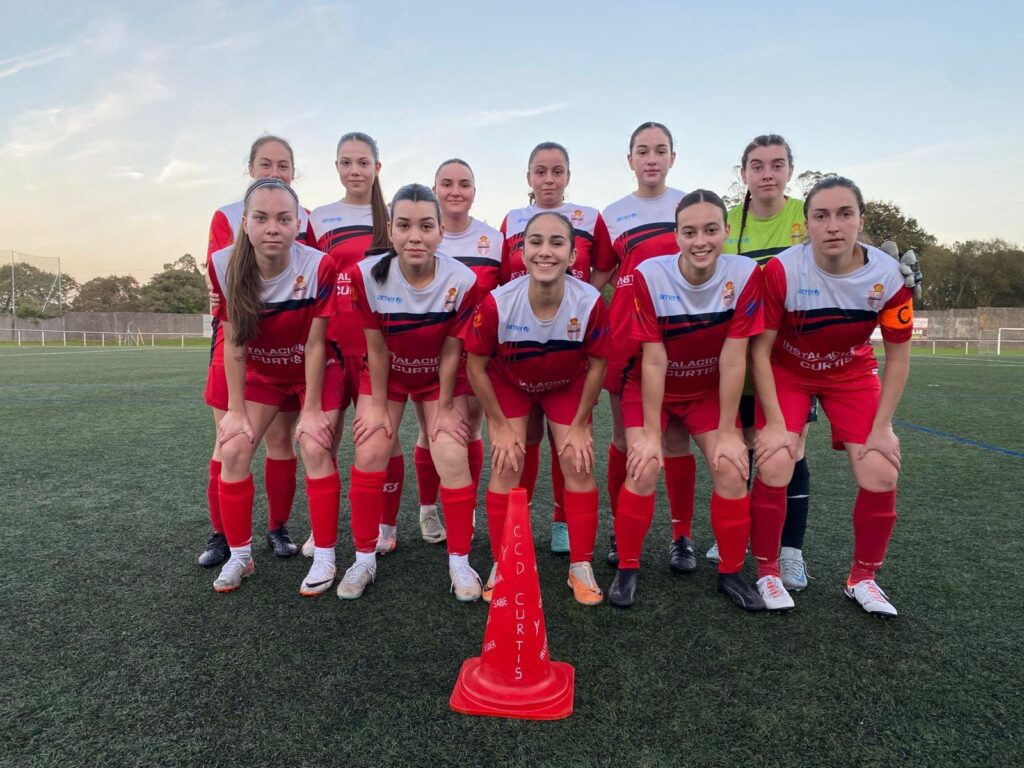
773, 291
748, 319
465, 312
596, 340
603, 258
221, 310
480, 336
221, 235
897, 317
325, 280
643, 324
367, 317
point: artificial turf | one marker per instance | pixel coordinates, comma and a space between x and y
115, 650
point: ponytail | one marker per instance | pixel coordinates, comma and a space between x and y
380, 270
381, 238
743, 223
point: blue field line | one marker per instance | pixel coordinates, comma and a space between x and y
959, 439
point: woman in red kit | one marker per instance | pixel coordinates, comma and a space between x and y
642, 225
413, 304
547, 173
694, 313
346, 230
275, 298
823, 299
476, 245
269, 157
540, 341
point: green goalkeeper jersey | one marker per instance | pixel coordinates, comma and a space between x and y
763, 238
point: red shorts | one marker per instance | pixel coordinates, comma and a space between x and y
286, 397
619, 364
400, 394
850, 406
353, 368
698, 416
559, 405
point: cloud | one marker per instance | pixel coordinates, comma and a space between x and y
40, 130
35, 59
186, 174
492, 117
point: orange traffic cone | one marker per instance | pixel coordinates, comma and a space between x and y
514, 676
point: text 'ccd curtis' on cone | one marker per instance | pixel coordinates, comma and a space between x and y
514, 676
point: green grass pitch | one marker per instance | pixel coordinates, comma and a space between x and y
115, 650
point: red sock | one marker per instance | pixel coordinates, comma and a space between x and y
497, 510
236, 510
366, 498
730, 521
393, 490
557, 488
427, 479
581, 513
874, 516
616, 476
476, 460
767, 516
631, 525
213, 496
531, 465
324, 494
279, 477
458, 517
680, 479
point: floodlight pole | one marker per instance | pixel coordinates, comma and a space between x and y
14, 312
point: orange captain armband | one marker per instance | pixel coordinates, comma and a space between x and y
898, 318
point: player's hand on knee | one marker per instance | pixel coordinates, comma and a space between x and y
580, 441
729, 447
233, 424
884, 441
316, 426
450, 421
772, 439
646, 448
506, 448
373, 419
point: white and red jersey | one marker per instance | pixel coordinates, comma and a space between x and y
415, 321
479, 248
228, 220
824, 321
590, 238
344, 232
539, 355
693, 321
640, 228
303, 291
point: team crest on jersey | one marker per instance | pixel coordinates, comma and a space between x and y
573, 329
299, 289
478, 320
577, 217
729, 294
449, 300
796, 232
875, 297
483, 245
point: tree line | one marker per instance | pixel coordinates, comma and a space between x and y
963, 275
179, 289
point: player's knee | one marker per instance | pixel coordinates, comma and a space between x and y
373, 455
315, 457
777, 470
728, 481
647, 482
236, 454
879, 476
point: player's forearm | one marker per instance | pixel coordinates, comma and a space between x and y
652, 385
732, 370
764, 379
476, 370
591, 390
315, 360
234, 371
447, 371
378, 363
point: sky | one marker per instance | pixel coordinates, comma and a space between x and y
123, 126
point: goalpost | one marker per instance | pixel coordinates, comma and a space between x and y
1000, 338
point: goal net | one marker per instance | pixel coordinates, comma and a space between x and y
1010, 341
32, 286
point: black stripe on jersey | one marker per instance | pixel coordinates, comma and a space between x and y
680, 325
401, 322
812, 320
762, 255
582, 233
524, 350
338, 236
635, 237
277, 307
477, 261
